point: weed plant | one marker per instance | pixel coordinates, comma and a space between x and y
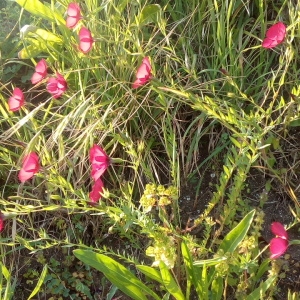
211, 84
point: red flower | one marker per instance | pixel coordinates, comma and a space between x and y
74, 15
57, 85
40, 72
99, 160
85, 40
279, 244
97, 189
16, 100
143, 74
30, 166
275, 35
1, 222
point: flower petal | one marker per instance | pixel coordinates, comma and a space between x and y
1, 222
85, 40
30, 167
278, 247
74, 15
57, 85
25, 175
73, 9
100, 161
97, 189
143, 74
269, 43
41, 67
36, 78
16, 100
278, 229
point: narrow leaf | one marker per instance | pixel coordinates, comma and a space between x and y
259, 293
40, 282
217, 288
210, 262
204, 283
191, 271
5, 272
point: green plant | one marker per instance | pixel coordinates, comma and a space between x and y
216, 103
205, 277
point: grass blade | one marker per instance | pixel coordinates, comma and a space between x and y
40, 282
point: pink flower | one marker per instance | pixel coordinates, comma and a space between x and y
16, 101
85, 40
279, 244
40, 72
74, 15
275, 35
57, 85
1, 222
143, 74
30, 166
99, 160
97, 189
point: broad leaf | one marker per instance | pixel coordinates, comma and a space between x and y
150, 14
37, 40
150, 272
37, 8
237, 234
170, 284
116, 274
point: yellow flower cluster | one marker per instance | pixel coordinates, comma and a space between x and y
158, 195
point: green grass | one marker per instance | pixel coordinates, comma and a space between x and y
214, 87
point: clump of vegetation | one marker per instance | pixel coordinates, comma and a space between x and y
151, 140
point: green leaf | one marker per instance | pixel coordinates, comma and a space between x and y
37, 8
32, 50
116, 274
294, 242
150, 272
264, 267
40, 282
39, 33
295, 123
150, 14
217, 288
210, 262
235, 142
259, 293
191, 271
237, 234
37, 40
170, 284
204, 283
5, 272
